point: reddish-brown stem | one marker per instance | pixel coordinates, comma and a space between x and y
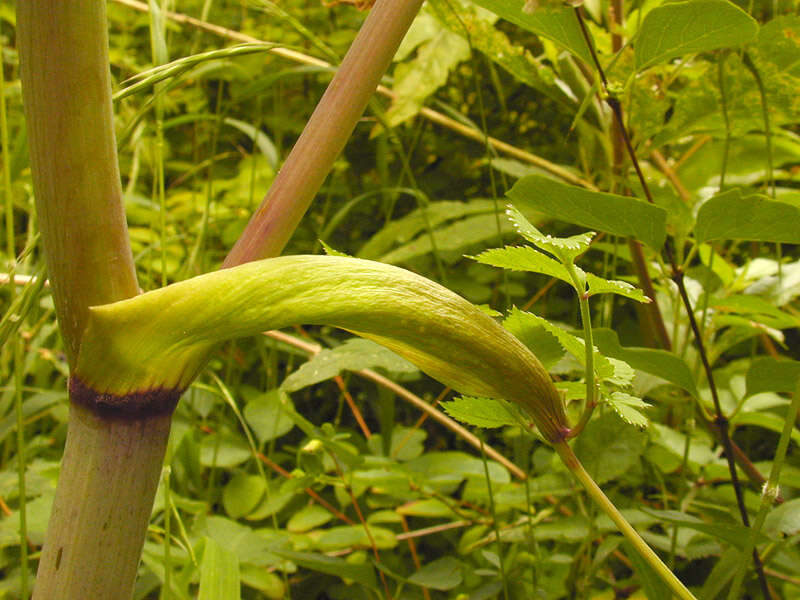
326, 132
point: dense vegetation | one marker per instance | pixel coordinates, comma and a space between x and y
309, 463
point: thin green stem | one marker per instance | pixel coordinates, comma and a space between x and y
495, 525
21, 465
771, 489
586, 320
601, 500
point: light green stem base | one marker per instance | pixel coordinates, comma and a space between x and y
641, 547
103, 503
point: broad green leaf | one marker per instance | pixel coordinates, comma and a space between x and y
598, 285
767, 374
480, 412
620, 215
629, 408
441, 574
608, 447
250, 547
403, 230
352, 355
242, 494
778, 43
678, 28
223, 450
346, 536
763, 311
530, 332
176, 327
574, 345
736, 535
524, 258
554, 23
765, 420
269, 415
565, 249
477, 24
219, 573
661, 363
454, 237
307, 518
416, 80
734, 216
431, 508
331, 565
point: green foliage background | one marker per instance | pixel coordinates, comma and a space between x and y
276, 458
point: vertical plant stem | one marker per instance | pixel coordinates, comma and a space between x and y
770, 492
109, 475
602, 501
66, 88
8, 197
588, 339
326, 133
21, 466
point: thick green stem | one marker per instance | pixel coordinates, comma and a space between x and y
109, 476
326, 133
601, 500
66, 86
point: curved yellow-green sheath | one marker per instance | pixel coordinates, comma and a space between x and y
137, 355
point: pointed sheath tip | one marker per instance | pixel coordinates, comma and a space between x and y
138, 405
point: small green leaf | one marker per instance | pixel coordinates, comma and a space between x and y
481, 412
331, 565
219, 573
242, 494
608, 447
352, 355
656, 362
678, 28
223, 450
554, 23
524, 258
628, 408
269, 415
767, 374
441, 574
736, 535
598, 285
620, 215
565, 249
733, 216
531, 333
308, 518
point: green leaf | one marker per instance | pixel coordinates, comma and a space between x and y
441, 574
219, 573
402, 231
565, 249
767, 374
530, 332
628, 408
573, 344
678, 28
453, 237
764, 420
429, 70
736, 535
480, 412
661, 363
352, 355
524, 258
331, 565
242, 494
269, 415
620, 215
608, 447
557, 24
223, 450
733, 216
598, 285
308, 518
